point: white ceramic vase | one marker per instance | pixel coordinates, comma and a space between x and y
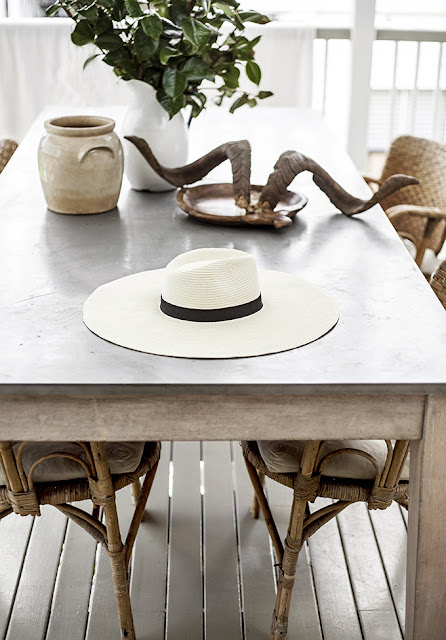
168, 139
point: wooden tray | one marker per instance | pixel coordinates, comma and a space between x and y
214, 203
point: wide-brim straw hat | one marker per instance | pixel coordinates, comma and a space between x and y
210, 303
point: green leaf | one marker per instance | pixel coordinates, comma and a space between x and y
82, 34
254, 16
144, 46
239, 103
251, 102
174, 82
206, 4
90, 12
119, 10
102, 25
133, 8
170, 29
52, 10
178, 9
232, 3
197, 102
90, 59
171, 105
231, 77
253, 72
265, 94
166, 53
117, 58
153, 77
196, 32
109, 41
152, 26
227, 10
196, 69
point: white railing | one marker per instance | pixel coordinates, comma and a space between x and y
407, 84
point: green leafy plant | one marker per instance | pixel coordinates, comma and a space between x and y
173, 45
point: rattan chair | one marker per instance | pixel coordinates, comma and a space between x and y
7, 148
314, 478
438, 283
22, 493
325, 469
417, 212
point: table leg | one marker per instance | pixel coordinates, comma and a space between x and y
426, 564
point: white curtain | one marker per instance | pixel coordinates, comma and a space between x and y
285, 56
39, 66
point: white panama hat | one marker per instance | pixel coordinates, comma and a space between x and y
210, 303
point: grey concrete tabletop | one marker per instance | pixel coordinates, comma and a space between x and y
391, 336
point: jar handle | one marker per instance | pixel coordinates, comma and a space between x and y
83, 153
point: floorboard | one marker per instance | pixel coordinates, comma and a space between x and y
14, 537
337, 606
202, 568
221, 579
256, 561
32, 602
149, 566
184, 593
372, 594
69, 611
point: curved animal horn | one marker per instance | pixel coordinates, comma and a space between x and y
291, 163
239, 153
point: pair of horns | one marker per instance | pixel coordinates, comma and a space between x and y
288, 166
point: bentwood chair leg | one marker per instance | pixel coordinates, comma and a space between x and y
104, 494
304, 490
116, 552
255, 504
268, 516
287, 574
139, 513
136, 491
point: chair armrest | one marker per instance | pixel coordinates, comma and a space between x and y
432, 213
371, 181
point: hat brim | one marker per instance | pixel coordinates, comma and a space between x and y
127, 312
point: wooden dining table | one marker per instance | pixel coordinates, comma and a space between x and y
380, 373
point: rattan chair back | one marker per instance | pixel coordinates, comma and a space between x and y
7, 148
425, 160
438, 283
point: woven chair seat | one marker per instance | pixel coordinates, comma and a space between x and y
285, 456
55, 491
123, 457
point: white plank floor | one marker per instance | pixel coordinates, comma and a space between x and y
202, 568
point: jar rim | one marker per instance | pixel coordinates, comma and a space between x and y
80, 125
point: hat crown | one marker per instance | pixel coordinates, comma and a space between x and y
211, 279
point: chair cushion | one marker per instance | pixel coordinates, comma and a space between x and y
123, 457
285, 456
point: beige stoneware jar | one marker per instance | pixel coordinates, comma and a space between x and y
80, 164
